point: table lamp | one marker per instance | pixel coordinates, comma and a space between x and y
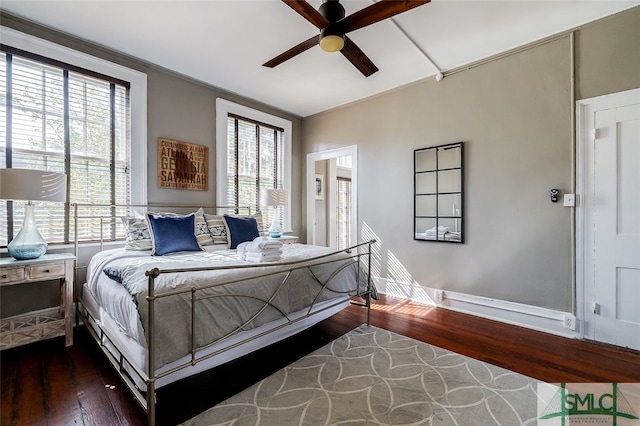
275, 198
31, 185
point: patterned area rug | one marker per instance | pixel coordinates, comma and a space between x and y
373, 376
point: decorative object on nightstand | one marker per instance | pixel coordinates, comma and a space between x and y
275, 198
31, 185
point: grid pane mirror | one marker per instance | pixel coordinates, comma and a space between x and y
438, 193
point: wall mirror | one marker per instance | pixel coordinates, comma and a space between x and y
438, 193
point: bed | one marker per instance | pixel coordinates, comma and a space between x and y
162, 316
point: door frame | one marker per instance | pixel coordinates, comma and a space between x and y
312, 157
585, 132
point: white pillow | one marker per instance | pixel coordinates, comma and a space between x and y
138, 236
202, 229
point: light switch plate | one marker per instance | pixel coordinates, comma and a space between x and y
569, 200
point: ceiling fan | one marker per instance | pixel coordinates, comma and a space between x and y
333, 26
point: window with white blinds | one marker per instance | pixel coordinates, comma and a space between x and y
59, 117
343, 211
254, 163
252, 156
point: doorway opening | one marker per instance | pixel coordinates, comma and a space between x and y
332, 197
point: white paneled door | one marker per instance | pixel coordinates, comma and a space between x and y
615, 233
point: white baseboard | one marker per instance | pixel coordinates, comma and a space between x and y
533, 317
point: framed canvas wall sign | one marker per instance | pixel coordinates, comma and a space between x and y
183, 165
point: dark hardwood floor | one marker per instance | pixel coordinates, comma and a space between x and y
47, 384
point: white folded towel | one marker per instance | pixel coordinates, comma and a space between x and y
261, 257
441, 231
264, 255
273, 250
261, 244
248, 246
242, 247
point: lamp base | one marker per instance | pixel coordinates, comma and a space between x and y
28, 244
26, 252
276, 229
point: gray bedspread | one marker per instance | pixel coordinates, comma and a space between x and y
224, 308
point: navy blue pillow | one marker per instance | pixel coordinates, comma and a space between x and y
240, 229
172, 233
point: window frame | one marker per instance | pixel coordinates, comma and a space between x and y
137, 97
223, 109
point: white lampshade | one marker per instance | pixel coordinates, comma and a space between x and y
32, 185
274, 197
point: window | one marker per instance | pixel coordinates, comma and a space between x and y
63, 117
343, 214
253, 154
254, 163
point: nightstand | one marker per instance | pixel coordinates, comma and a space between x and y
287, 239
45, 323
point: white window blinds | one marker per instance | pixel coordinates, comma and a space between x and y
254, 163
343, 213
65, 119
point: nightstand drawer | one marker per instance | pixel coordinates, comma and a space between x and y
42, 272
11, 275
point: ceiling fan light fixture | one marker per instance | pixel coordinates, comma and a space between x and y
332, 43
330, 19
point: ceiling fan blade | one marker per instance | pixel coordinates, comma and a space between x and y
295, 50
357, 57
377, 12
307, 11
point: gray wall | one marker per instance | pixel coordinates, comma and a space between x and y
181, 109
514, 115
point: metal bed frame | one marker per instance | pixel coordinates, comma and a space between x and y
360, 255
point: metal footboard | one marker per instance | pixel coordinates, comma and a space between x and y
358, 255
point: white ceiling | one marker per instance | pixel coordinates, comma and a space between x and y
224, 42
